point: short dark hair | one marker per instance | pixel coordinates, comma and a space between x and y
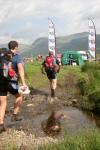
12, 45
51, 53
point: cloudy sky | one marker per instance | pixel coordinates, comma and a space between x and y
27, 20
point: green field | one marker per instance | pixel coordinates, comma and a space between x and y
36, 79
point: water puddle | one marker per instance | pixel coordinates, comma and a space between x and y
34, 115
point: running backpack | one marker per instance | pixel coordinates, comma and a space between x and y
49, 62
6, 70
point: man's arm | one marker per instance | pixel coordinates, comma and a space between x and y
21, 73
58, 65
42, 68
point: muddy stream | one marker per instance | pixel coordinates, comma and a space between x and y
36, 108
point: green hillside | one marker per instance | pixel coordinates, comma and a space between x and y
77, 41
40, 46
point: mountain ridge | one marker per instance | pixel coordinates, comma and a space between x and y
78, 41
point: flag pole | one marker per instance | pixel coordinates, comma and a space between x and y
52, 40
94, 34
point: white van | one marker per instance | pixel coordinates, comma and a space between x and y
84, 55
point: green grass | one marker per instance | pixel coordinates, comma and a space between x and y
85, 140
90, 86
88, 140
36, 79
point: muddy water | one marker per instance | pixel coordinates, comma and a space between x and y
37, 109
79, 120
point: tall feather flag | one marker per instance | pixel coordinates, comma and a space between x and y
92, 40
51, 37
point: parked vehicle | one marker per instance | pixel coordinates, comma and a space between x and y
71, 57
84, 55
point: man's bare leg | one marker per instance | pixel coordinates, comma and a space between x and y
3, 104
18, 102
53, 85
17, 105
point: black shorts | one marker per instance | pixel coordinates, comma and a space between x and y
51, 74
6, 87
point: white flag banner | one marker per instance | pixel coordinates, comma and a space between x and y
92, 39
51, 37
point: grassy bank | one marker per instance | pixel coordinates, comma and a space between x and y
85, 140
88, 140
90, 86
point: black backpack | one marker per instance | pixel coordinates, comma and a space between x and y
5, 59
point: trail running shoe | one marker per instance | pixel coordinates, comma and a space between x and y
51, 100
2, 128
16, 117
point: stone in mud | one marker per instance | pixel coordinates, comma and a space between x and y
52, 125
74, 101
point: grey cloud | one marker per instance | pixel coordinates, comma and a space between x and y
72, 14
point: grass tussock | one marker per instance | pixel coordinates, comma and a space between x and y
90, 85
88, 140
85, 140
